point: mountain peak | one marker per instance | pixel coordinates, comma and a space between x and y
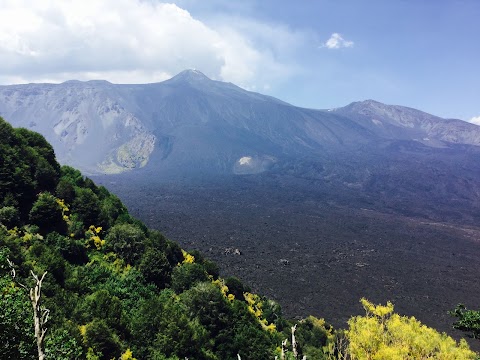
190, 75
369, 103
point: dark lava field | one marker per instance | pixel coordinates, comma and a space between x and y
314, 254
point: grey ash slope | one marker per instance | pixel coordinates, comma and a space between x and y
191, 124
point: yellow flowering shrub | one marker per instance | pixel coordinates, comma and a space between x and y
187, 258
94, 238
83, 331
223, 288
13, 232
114, 263
64, 208
127, 355
254, 305
384, 335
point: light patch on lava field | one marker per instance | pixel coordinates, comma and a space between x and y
245, 160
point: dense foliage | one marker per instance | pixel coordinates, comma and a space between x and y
467, 320
117, 290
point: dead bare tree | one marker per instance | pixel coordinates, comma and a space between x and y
338, 349
283, 353
40, 313
284, 349
294, 343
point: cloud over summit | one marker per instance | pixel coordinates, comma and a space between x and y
475, 120
122, 41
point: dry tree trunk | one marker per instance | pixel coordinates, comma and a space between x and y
284, 348
294, 343
40, 314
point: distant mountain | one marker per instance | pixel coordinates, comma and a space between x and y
191, 124
403, 123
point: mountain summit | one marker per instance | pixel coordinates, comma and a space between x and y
189, 75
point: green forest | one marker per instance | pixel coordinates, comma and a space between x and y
80, 278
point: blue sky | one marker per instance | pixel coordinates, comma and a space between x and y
320, 54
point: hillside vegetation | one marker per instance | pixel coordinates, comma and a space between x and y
104, 286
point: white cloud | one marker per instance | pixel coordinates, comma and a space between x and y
475, 120
336, 41
130, 41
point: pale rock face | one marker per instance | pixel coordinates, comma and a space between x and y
133, 154
87, 126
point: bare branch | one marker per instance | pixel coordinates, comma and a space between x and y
294, 343
14, 274
45, 314
12, 271
284, 345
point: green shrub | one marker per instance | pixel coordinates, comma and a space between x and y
187, 275
9, 216
47, 214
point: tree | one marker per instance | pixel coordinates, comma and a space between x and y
155, 267
87, 206
236, 287
186, 276
101, 338
65, 190
9, 216
46, 176
61, 345
72, 175
128, 241
178, 334
47, 214
102, 305
206, 302
110, 209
